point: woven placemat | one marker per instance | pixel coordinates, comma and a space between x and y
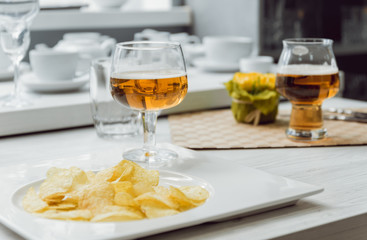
218, 130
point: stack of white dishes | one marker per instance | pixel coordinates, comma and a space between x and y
65, 67
223, 53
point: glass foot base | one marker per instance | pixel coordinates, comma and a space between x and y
306, 135
14, 102
151, 159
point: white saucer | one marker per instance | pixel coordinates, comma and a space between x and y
214, 66
33, 83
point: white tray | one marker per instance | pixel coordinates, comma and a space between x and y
51, 111
234, 190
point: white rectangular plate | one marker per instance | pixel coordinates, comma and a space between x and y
234, 190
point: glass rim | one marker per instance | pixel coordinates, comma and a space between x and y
159, 45
310, 41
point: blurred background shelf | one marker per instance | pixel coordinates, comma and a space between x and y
83, 19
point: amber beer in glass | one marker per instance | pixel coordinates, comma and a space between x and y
149, 90
307, 75
149, 77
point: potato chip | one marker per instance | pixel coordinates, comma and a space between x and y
161, 190
124, 170
104, 175
124, 186
117, 171
195, 193
141, 188
181, 199
32, 202
116, 213
125, 199
156, 200
59, 181
156, 212
143, 175
97, 196
73, 196
124, 192
77, 215
56, 199
115, 208
90, 175
79, 177
62, 206
80, 182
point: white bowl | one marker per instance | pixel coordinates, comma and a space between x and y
227, 48
261, 64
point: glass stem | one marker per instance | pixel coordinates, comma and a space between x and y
149, 123
17, 87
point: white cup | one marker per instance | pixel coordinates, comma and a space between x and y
51, 65
229, 49
261, 64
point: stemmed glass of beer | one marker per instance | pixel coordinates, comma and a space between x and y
149, 77
307, 74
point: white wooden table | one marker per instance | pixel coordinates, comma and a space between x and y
340, 212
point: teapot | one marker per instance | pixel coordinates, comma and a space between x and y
90, 46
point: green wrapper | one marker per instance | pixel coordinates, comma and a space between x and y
244, 103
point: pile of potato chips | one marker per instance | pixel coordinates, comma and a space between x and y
121, 193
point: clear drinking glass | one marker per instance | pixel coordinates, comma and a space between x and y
149, 76
111, 120
307, 74
15, 19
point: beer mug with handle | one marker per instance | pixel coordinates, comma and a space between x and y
307, 74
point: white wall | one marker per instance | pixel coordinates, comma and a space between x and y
226, 17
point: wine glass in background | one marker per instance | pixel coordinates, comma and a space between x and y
149, 77
15, 19
307, 75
